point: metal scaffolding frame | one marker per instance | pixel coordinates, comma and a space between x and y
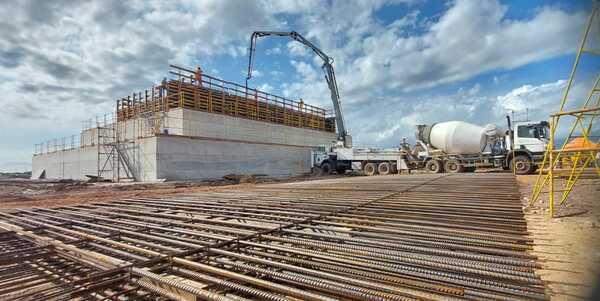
566, 161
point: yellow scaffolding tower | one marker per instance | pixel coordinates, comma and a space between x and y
578, 153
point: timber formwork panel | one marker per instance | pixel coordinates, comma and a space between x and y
421, 237
197, 91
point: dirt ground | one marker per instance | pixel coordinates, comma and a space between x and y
568, 245
22, 193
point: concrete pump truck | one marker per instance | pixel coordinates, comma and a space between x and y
339, 156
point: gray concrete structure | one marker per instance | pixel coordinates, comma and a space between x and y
183, 144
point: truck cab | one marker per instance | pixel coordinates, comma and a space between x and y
531, 135
530, 142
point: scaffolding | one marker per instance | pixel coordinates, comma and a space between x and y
578, 153
114, 160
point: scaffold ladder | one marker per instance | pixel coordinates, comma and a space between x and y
113, 156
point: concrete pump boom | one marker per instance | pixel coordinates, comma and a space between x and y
327, 67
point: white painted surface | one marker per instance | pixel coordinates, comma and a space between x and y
79, 162
71, 164
457, 137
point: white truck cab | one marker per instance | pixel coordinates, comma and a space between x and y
531, 135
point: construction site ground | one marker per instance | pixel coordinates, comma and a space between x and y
568, 246
23, 193
479, 214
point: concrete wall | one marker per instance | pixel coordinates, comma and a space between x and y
88, 137
215, 145
185, 158
79, 162
143, 156
195, 145
203, 124
71, 164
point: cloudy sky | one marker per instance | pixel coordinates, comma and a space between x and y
398, 63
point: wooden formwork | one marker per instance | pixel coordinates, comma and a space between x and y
197, 91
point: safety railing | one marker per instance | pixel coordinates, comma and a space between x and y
57, 144
197, 91
75, 141
100, 121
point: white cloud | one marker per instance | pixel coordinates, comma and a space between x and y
529, 97
265, 88
255, 73
470, 38
537, 102
274, 50
276, 74
297, 49
408, 21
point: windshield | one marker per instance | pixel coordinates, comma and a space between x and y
532, 131
543, 131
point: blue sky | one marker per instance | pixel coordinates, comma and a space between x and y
398, 63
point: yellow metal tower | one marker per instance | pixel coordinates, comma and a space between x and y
579, 152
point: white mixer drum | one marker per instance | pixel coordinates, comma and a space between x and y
457, 137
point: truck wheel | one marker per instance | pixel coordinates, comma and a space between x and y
522, 165
315, 171
453, 166
434, 166
341, 170
384, 168
326, 168
370, 169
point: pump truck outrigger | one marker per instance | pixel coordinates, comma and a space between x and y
340, 156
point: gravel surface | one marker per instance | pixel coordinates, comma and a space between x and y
568, 245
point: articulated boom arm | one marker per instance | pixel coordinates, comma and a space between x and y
327, 68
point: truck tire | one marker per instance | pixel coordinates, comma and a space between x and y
434, 166
341, 170
315, 171
370, 169
470, 169
453, 166
326, 169
522, 164
384, 168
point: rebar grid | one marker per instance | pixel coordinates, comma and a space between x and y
419, 237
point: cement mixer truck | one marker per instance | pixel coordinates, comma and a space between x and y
457, 146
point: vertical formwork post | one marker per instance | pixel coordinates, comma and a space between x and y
209, 101
257, 106
553, 121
